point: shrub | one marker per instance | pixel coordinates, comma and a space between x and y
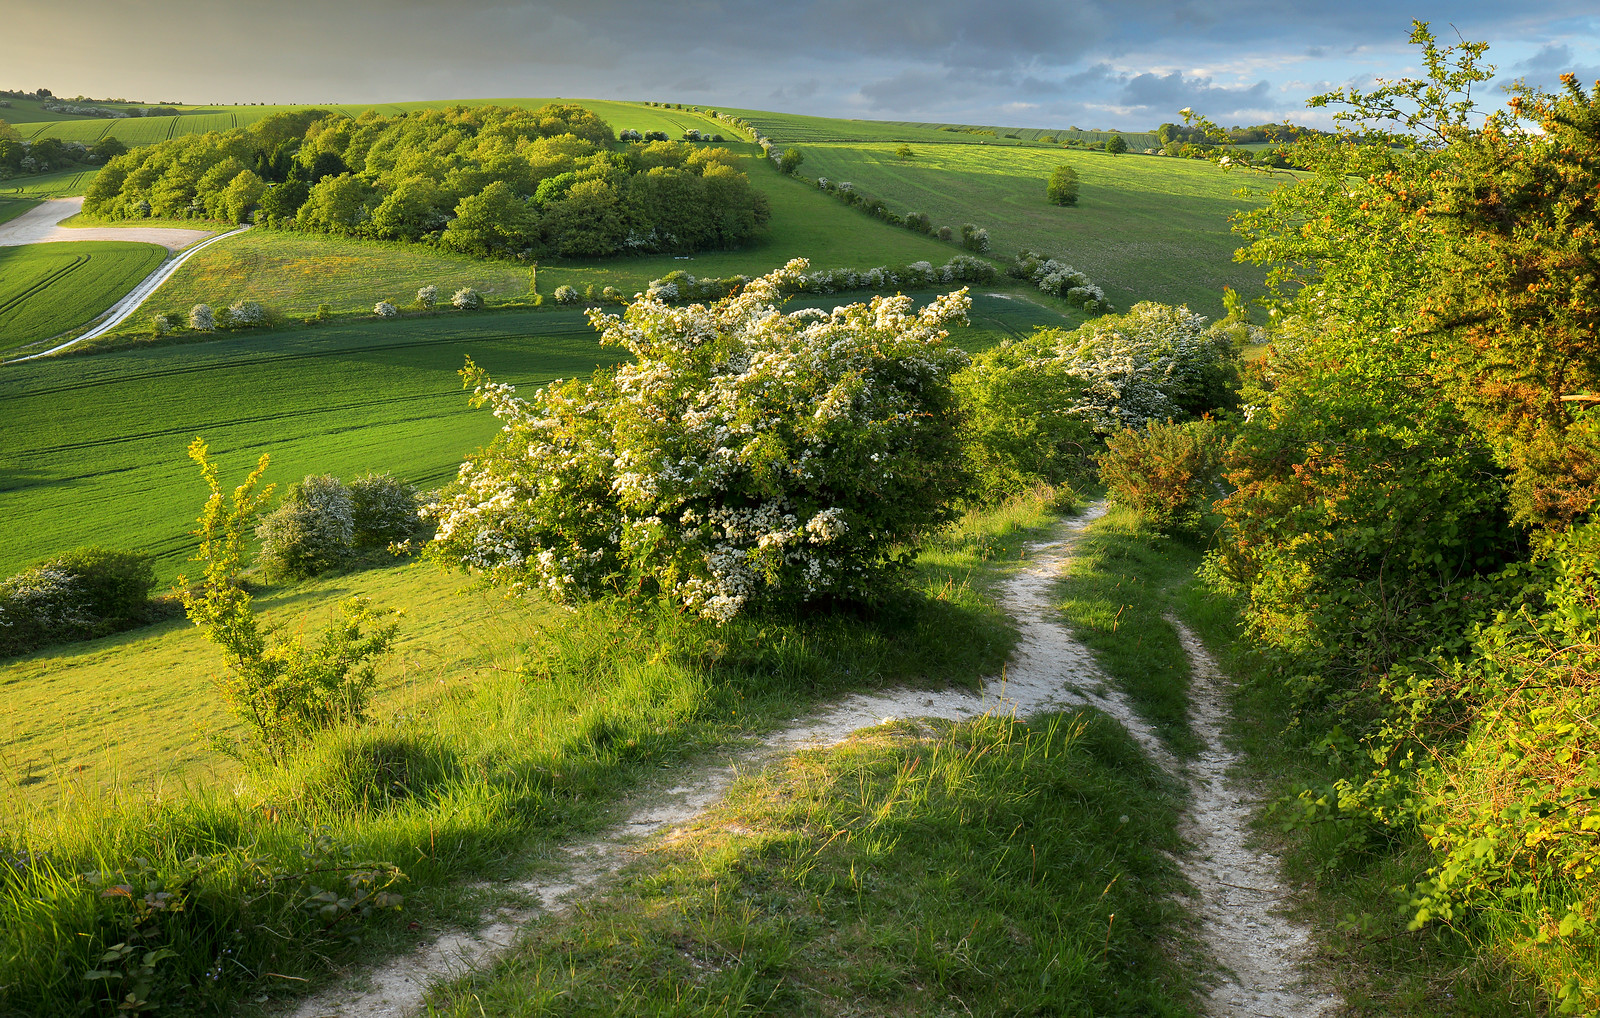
568, 295
85, 593
744, 458
282, 691
1167, 473
324, 311
612, 295
246, 313
1019, 430
383, 309
427, 297
1062, 188
160, 325
791, 160
202, 319
383, 511
974, 239
310, 532
467, 299
945, 233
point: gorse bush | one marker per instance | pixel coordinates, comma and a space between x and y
1167, 473
85, 593
744, 458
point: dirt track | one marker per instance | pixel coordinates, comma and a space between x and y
41, 225
1261, 952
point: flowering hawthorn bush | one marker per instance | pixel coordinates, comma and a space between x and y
744, 458
384, 309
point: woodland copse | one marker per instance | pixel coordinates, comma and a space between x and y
484, 181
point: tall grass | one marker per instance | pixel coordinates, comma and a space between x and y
468, 782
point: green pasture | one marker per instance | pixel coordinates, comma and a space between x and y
797, 128
122, 714
95, 445
292, 273
47, 289
1143, 228
11, 208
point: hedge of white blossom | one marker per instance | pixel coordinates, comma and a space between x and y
680, 286
744, 457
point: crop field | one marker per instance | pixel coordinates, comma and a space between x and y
1144, 228
96, 448
63, 184
11, 208
1136, 140
46, 289
796, 128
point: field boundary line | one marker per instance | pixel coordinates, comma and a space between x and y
124, 308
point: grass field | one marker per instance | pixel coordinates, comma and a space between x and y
95, 448
1143, 228
11, 208
123, 714
46, 289
63, 184
797, 128
292, 273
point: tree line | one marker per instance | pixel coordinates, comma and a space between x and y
492, 181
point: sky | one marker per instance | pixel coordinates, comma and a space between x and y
1094, 64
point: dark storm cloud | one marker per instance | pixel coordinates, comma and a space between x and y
1051, 60
1545, 68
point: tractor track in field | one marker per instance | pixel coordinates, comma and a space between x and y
1260, 953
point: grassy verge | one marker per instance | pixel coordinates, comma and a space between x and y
464, 778
991, 868
1383, 969
1114, 593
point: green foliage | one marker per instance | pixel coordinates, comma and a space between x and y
790, 161
1168, 473
1062, 188
1116, 144
82, 594
383, 511
310, 532
1423, 419
1018, 430
743, 456
282, 690
515, 181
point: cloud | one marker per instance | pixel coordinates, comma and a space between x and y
1050, 61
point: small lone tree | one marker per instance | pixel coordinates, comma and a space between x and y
1063, 186
792, 158
1116, 144
282, 690
904, 152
